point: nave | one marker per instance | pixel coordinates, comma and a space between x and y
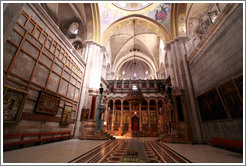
121, 150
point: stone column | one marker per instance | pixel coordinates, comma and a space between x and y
179, 59
113, 117
174, 62
170, 68
85, 98
194, 110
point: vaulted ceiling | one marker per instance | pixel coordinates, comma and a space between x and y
144, 40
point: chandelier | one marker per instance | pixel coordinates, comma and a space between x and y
134, 49
135, 95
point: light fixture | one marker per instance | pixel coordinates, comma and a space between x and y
73, 29
212, 16
76, 31
134, 49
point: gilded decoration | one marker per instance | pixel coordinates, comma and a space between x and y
211, 106
47, 103
66, 116
140, 20
13, 102
84, 114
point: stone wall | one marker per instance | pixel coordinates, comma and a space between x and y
38, 57
220, 60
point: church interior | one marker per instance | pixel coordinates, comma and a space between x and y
122, 82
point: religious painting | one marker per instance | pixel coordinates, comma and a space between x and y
144, 118
152, 117
84, 114
162, 14
126, 117
181, 25
135, 107
232, 99
13, 102
66, 116
239, 84
211, 106
118, 113
47, 103
162, 11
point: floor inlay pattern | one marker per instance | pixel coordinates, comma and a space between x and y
116, 151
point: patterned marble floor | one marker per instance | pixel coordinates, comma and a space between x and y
115, 151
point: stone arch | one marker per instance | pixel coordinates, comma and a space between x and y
156, 27
124, 59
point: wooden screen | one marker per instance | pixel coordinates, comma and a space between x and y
35, 60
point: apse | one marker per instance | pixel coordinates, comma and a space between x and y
135, 69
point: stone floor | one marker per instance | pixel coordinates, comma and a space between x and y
114, 151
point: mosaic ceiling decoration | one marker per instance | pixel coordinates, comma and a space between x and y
109, 12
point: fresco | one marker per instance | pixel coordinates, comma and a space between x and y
108, 16
162, 15
181, 24
110, 13
181, 19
